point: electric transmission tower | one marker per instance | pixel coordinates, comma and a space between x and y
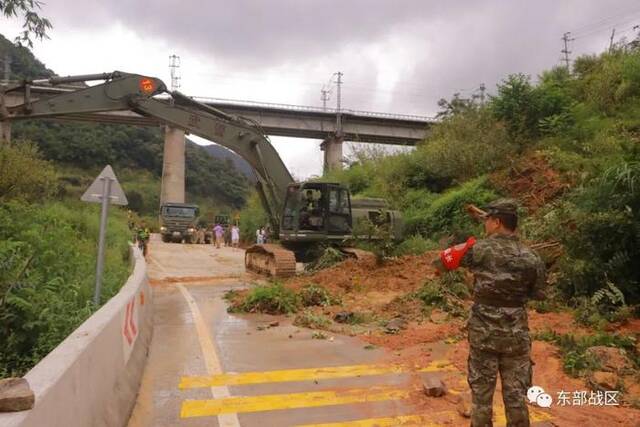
174, 65
325, 95
566, 51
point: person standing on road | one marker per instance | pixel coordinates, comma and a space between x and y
235, 236
259, 236
218, 231
142, 237
506, 275
227, 235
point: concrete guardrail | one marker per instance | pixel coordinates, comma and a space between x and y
92, 377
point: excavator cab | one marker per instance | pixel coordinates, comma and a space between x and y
316, 211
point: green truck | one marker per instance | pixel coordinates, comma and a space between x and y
178, 222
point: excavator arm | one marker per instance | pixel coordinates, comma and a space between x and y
137, 93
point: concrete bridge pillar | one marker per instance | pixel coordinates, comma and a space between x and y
332, 147
173, 166
5, 131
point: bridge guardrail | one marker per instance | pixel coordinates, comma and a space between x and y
92, 378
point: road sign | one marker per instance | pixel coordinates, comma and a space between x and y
105, 190
94, 192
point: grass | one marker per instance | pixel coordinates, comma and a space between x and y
575, 359
309, 319
271, 299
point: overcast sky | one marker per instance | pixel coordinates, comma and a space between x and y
397, 56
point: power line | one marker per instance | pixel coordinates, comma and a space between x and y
606, 27
605, 21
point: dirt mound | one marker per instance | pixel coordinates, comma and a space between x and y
416, 334
403, 274
560, 323
532, 180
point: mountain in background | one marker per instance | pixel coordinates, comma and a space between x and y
220, 152
214, 175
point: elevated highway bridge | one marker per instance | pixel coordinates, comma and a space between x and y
329, 125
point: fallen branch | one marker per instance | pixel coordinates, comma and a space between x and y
545, 245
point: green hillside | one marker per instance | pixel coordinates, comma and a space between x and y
567, 146
83, 149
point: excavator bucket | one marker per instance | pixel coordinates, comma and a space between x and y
270, 260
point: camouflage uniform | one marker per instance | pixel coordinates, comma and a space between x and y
507, 274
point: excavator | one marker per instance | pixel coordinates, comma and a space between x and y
302, 214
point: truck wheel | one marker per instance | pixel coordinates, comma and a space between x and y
166, 238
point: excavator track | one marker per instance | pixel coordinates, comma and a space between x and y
271, 260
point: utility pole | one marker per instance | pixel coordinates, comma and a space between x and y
482, 89
174, 64
566, 51
338, 104
613, 33
324, 95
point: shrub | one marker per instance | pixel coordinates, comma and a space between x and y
446, 215
445, 292
24, 175
47, 275
462, 147
252, 217
271, 299
325, 258
600, 229
316, 295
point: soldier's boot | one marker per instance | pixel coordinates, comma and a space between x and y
483, 371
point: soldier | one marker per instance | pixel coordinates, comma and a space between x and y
142, 237
506, 275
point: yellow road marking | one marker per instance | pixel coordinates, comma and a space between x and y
211, 361
423, 421
272, 402
404, 421
290, 375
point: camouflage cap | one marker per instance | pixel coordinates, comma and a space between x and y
502, 206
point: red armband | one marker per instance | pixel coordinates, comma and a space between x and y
451, 257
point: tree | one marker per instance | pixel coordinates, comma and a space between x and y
33, 25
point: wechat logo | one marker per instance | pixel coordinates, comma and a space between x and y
537, 395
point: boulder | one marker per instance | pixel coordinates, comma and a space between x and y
433, 386
15, 395
611, 359
604, 380
344, 317
464, 405
395, 325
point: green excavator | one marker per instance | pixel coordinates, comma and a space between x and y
302, 214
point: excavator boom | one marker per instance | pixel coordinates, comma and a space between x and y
140, 94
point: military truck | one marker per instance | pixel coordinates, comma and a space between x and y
178, 222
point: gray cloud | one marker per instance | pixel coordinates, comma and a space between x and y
447, 46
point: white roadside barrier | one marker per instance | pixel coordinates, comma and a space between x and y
92, 377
